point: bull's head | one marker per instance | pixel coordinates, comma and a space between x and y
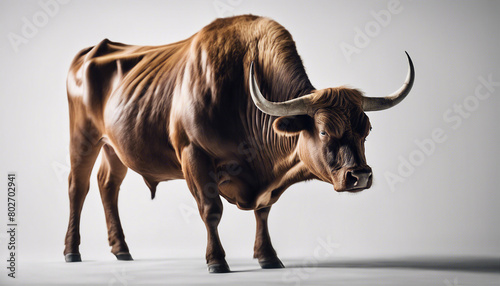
332, 128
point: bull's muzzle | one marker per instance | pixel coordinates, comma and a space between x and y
357, 180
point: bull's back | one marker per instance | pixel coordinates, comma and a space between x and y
116, 88
96, 71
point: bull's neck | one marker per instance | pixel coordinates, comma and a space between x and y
287, 167
284, 150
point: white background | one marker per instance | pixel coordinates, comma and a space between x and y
447, 206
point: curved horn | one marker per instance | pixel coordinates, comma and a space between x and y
381, 103
296, 106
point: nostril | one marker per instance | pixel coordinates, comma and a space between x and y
357, 179
351, 179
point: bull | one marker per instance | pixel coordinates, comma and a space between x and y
231, 110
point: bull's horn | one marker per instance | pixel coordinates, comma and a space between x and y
296, 106
381, 103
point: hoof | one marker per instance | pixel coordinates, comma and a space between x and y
73, 257
218, 268
271, 264
125, 256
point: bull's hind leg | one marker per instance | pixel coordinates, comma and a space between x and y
110, 176
263, 249
197, 166
84, 147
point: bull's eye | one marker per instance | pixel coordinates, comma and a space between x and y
322, 133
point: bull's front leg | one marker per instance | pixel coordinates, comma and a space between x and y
263, 249
197, 167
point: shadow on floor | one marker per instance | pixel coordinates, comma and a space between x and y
471, 264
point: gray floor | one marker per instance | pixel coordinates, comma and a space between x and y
409, 271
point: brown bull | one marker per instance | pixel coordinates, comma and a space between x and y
194, 110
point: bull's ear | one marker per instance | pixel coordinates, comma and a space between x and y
291, 125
